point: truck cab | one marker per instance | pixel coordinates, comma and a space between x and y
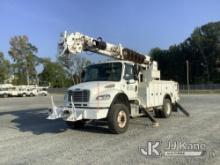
101, 82
115, 85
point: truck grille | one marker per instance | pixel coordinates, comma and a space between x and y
79, 96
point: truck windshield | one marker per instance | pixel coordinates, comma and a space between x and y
103, 72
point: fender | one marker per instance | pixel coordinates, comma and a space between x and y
121, 97
168, 97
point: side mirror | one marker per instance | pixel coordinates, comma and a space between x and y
136, 72
83, 74
136, 77
126, 76
131, 81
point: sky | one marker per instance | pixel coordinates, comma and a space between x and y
139, 24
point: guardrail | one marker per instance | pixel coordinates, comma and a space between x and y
200, 86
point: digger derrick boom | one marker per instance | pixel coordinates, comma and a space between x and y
75, 43
131, 55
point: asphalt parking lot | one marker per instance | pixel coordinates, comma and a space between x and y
26, 137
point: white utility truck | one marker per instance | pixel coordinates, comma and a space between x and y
7, 90
129, 86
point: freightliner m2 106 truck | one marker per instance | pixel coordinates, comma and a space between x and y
129, 86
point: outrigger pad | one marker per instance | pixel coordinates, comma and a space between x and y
155, 124
182, 110
152, 119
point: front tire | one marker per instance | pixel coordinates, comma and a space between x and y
118, 118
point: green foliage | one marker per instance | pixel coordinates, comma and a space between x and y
22, 52
54, 74
4, 68
201, 49
63, 73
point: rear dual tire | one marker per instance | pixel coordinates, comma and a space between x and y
5, 95
166, 110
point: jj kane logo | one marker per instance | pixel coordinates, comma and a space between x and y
152, 149
172, 148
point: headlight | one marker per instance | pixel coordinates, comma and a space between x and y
103, 97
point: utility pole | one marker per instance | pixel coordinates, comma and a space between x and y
28, 80
27, 74
187, 75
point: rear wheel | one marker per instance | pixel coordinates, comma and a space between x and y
76, 124
157, 112
167, 108
5, 95
118, 118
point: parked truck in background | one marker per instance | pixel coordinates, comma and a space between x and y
9, 90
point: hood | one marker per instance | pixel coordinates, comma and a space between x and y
95, 86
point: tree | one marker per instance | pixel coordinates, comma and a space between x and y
54, 74
4, 68
22, 53
74, 66
205, 42
201, 49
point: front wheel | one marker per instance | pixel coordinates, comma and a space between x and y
118, 118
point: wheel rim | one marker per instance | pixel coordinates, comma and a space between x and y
168, 108
122, 119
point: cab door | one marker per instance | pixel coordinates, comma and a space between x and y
130, 84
